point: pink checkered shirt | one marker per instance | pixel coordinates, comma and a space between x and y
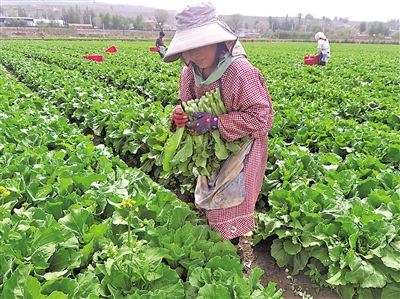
249, 107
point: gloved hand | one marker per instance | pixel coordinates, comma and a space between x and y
205, 122
178, 118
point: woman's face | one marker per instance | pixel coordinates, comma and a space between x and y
203, 57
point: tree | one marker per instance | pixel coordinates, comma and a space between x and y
309, 17
54, 24
363, 26
138, 22
105, 19
72, 16
161, 16
17, 23
68, 15
288, 24
314, 26
299, 15
394, 24
53, 14
96, 21
378, 28
21, 12
117, 22
273, 23
88, 16
255, 24
345, 33
78, 15
262, 27
235, 22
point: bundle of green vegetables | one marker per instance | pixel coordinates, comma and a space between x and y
199, 155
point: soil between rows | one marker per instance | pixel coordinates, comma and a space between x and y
259, 256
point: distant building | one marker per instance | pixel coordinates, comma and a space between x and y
248, 33
152, 23
81, 26
167, 27
59, 23
30, 22
5, 20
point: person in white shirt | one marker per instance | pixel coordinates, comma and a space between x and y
323, 51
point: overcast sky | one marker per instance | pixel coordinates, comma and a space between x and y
354, 10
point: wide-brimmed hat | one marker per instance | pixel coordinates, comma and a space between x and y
198, 25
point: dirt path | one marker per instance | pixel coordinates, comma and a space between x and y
259, 256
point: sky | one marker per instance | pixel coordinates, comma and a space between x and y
354, 10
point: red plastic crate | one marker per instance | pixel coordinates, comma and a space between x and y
98, 58
311, 60
111, 49
153, 49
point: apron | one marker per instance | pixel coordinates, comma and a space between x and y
225, 188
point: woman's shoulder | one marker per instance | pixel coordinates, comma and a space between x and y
241, 62
187, 77
243, 65
240, 68
187, 72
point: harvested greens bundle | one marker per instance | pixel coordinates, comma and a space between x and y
199, 155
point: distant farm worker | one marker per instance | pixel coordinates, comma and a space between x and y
214, 58
160, 44
324, 51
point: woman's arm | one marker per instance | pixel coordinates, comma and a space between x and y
249, 105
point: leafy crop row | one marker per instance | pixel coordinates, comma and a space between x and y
76, 222
333, 181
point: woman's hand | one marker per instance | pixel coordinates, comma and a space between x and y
204, 122
178, 118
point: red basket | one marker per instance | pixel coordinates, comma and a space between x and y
311, 60
153, 49
98, 58
111, 49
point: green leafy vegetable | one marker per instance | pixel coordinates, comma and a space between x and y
199, 155
171, 147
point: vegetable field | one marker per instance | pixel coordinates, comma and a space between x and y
88, 211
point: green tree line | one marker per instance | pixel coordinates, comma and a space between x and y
274, 26
295, 27
75, 15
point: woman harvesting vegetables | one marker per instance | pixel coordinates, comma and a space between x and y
215, 60
323, 48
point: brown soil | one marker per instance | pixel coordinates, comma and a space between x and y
259, 256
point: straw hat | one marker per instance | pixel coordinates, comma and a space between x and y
198, 25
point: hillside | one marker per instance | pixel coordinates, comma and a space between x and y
33, 8
47, 8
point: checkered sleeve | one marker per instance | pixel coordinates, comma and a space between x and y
248, 102
186, 83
